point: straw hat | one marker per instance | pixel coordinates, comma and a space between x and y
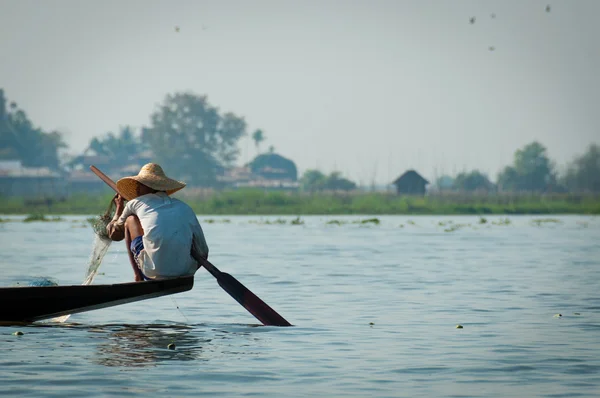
151, 175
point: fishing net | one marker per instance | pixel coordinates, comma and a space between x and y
100, 222
99, 248
101, 241
43, 281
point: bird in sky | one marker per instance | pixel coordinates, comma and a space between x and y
548, 8
177, 29
472, 20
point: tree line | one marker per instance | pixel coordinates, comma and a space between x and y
196, 142
533, 171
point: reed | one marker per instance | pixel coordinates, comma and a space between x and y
256, 202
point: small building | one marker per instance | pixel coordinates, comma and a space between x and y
272, 166
411, 183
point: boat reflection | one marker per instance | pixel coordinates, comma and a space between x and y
146, 345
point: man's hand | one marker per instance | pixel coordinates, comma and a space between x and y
120, 203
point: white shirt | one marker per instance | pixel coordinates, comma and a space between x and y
171, 231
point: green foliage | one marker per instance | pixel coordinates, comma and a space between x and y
531, 171
41, 217
19, 139
472, 181
258, 202
191, 139
258, 136
583, 174
314, 180
122, 148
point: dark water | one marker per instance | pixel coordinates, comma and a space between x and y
375, 308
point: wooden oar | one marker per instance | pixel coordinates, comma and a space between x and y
241, 294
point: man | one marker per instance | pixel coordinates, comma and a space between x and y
163, 236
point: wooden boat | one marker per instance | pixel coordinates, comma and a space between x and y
34, 303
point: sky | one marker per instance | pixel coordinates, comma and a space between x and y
369, 88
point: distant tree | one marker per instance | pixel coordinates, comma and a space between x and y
472, 181
192, 140
583, 175
532, 170
312, 180
121, 148
258, 137
336, 182
19, 139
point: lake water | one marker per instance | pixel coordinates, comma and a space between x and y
375, 309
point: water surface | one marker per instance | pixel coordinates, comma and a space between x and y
375, 309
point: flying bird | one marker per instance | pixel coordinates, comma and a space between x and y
472, 20
548, 8
177, 29
493, 16
491, 48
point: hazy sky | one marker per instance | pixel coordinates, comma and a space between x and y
369, 88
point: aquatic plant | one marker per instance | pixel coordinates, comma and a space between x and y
540, 221
456, 227
368, 221
41, 217
502, 221
297, 221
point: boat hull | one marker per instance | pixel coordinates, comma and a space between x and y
34, 303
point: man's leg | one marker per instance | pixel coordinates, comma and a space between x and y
133, 229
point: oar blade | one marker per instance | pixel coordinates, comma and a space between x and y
251, 302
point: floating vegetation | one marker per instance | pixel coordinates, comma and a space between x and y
268, 222
444, 223
482, 220
335, 222
576, 313
297, 221
456, 227
540, 221
401, 226
502, 221
368, 221
213, 221
410, 222
41, 217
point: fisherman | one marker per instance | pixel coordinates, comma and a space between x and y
163, 236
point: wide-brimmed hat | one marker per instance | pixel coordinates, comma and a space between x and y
152, 176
